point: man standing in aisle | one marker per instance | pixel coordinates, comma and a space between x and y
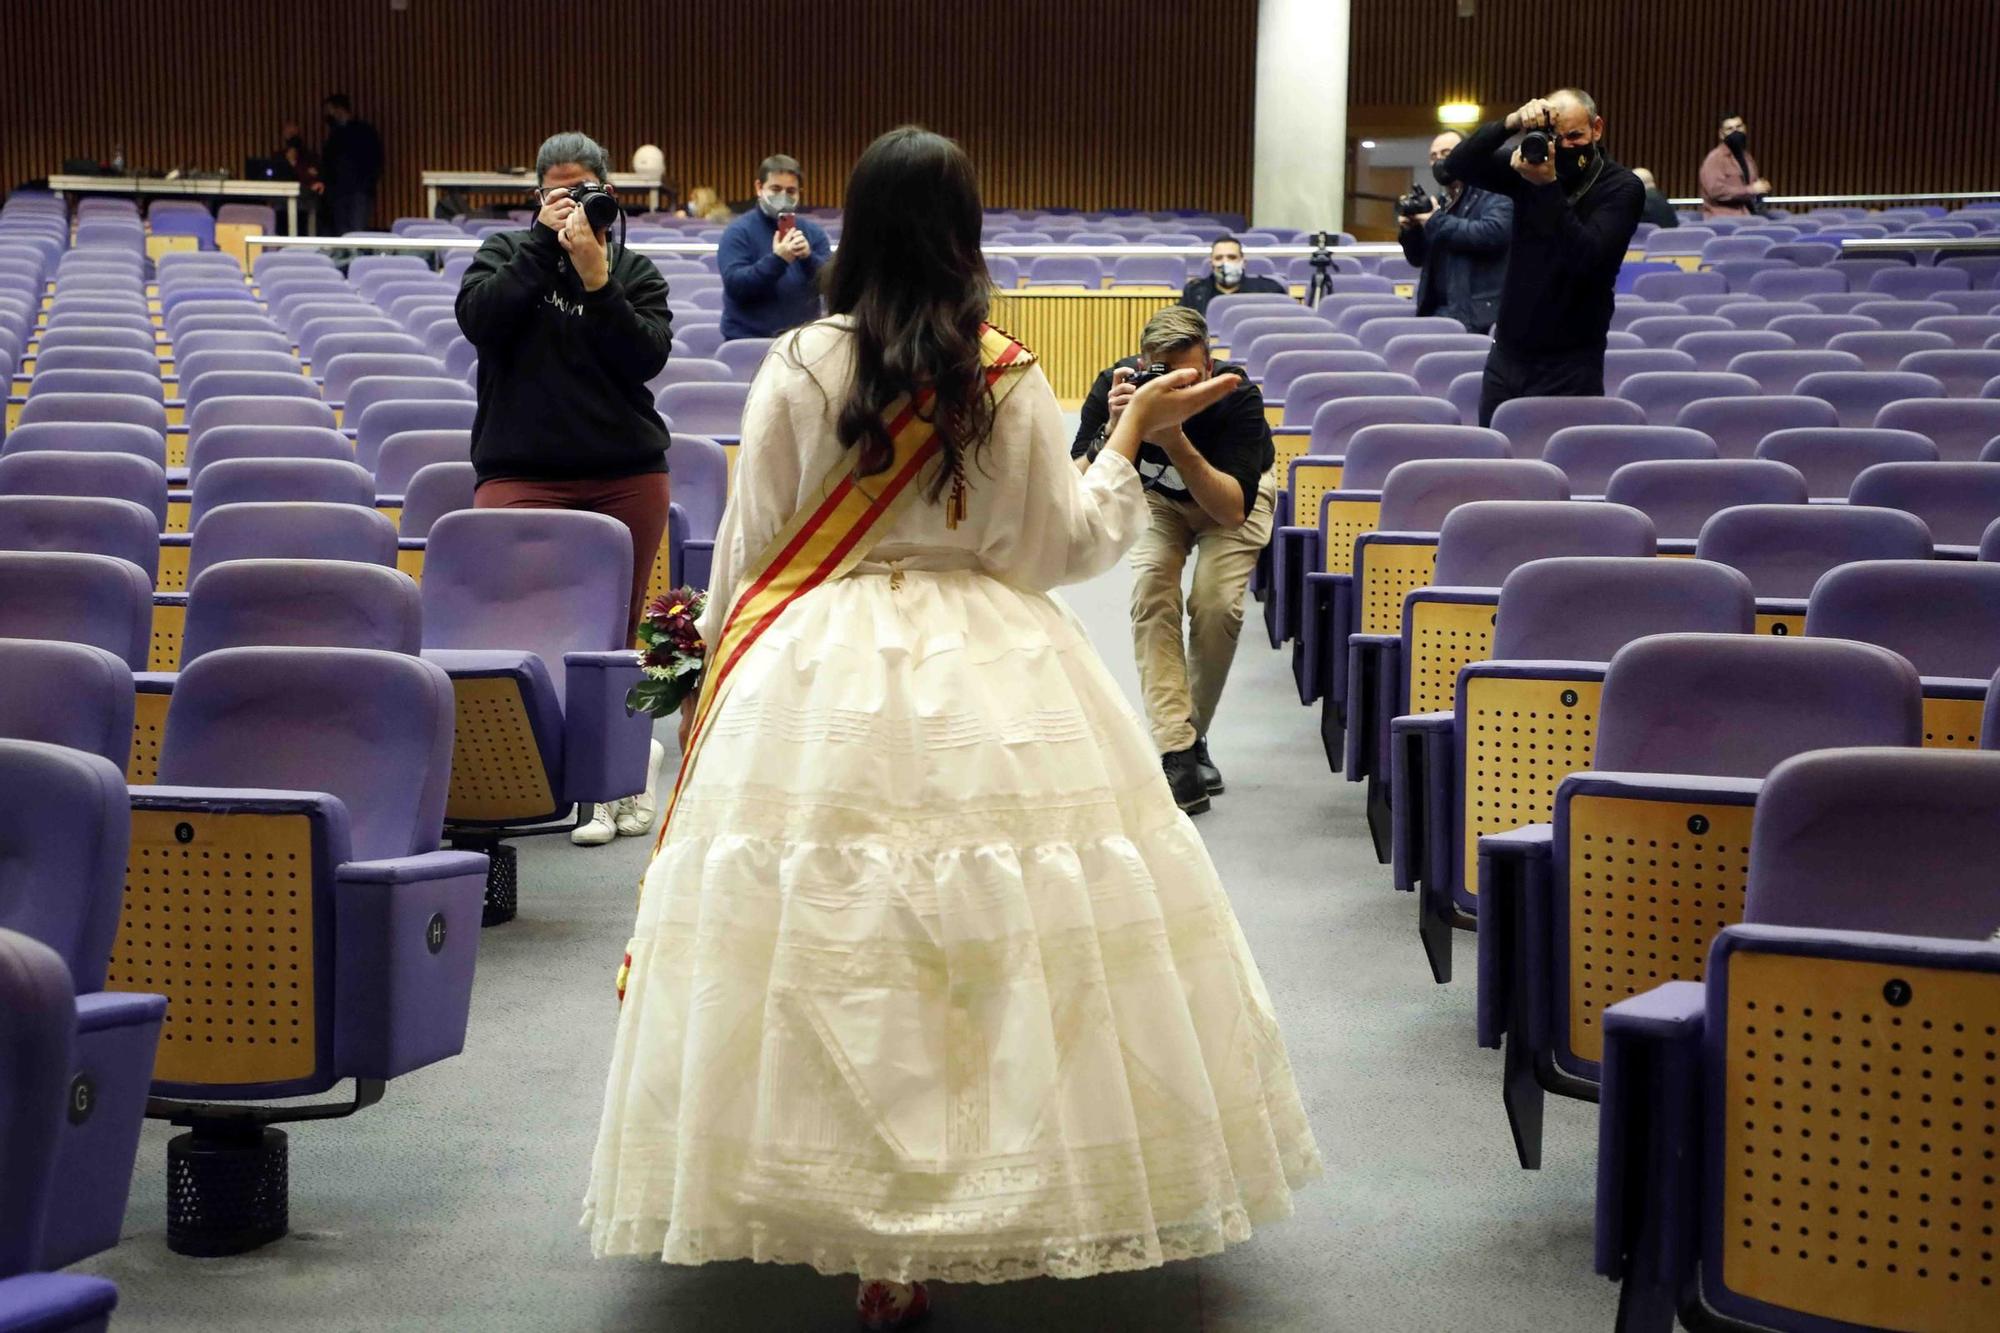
1461, 246
351, 163
770, 258
1574, 214
1730, 185
1225, 277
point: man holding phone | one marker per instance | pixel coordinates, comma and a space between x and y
770, 258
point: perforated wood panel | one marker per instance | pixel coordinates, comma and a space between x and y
394, 513
1952, 724
173, 567
1288, 449
177, 449
1388, 573
1650, 884
1522, 738
149, 725
218, 918
1770, 622
1444, 636
1311, 481
1344, 521
411, 562
496, 768
177, 514
1859, 1169
169, 624
662, 581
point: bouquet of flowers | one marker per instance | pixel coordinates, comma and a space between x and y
673, 654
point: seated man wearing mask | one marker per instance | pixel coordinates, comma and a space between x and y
1225, 277
1461, 246
1211, 489
770, 258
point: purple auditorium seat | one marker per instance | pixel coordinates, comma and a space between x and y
743, 356
436, 490
1943, 616
1529, 422
1304, 395
406, 452
376, 422
302, 604
77, 383
1255, 323
224, 340
1065, 271
1373, 452
1350, 319
1688, 726
1436, 372
87, 525
1830, 459
714, 410
1969, 331
1376, 334
1338, 417
1900, 315
38, 1036
195, 367
1785, 548
107, 337
341, 373
1404, 351
1257, 354
1859, 395
365, 393
1680, 495
1792, 283
691, 370
1959, 427
113, 476
1884, 349
527, 609
346, 755
258, 480
1679, 241
1737, 425
1724, 248
1665, 330
1588, 455
356, 339
91, 599
1632, 270
1004, 271
1442, 770
1662, 394
248, 384
1688, 1068
1672, 285
1224, 310
63, 841
1779, 372
1915, 284
1713, 350
217, 444
125, 360
1628, 311
1955, 500
1962, 371
1149, 271
1621, 364
1287, 368
1817, 330
701, 489
375, 267
69, 694
291, 530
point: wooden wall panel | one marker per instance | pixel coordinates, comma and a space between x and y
1854, 95
1060, 104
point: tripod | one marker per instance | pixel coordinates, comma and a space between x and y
1321, 260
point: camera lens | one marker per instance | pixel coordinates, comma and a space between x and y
1535, 147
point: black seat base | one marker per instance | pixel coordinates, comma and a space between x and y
227, 1188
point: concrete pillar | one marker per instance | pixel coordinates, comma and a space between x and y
1299, 177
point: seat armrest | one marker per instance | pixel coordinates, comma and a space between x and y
102, 1011
1512, 866
606, 745
57, 1303
1422, 755
697, 561
1649, 1133
329, 812
406, 933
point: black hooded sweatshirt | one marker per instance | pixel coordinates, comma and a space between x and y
563, 371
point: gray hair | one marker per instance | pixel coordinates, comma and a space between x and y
1582, 99
572, 146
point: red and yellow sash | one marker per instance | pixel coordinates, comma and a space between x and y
825, 539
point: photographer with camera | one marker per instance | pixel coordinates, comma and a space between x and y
1225, 277
1574, 214
1210, 487
1459, 241
770, 258
568, 333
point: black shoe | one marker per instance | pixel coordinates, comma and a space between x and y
1184, 779
1211, 776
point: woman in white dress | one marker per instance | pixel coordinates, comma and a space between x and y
931, 979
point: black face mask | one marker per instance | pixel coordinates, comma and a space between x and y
1573, 163
1735, 139
1442, 174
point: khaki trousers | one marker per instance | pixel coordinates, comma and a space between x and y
1183, 662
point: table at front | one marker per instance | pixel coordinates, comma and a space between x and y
435, 181
192, 187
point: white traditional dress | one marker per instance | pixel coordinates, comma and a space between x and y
931, 979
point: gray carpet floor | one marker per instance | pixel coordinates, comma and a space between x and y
453, 1204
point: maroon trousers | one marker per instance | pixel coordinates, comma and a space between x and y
640, 503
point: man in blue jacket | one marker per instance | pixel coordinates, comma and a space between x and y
1461, 246
770, 258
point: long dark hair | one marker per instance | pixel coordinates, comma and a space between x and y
910, 272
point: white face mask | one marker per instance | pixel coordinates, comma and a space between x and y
777, 201
1229, 272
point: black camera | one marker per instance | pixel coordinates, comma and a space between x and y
1536, 146
1148, 374
600, 207
1413, 204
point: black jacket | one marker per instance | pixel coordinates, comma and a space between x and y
351, 160
1658, 211
1198, 293
1462, 250
1566, 252
562, 371
1232, 435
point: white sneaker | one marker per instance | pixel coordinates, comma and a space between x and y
601, 829
635, 813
